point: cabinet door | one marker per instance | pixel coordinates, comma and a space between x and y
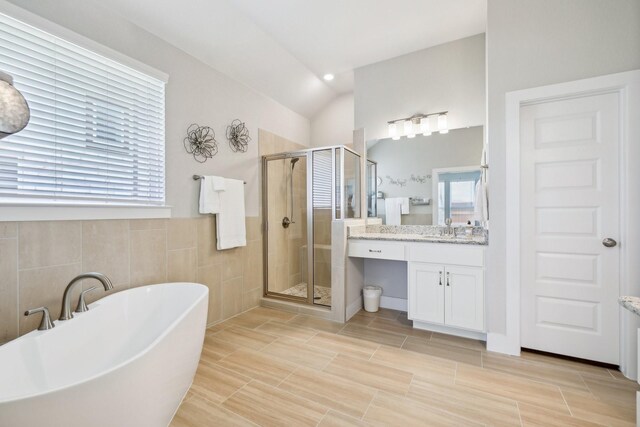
426, 292
464, 297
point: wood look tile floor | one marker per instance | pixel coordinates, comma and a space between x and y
273, 368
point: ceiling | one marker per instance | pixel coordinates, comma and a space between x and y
282, 48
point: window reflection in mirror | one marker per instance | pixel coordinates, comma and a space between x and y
456, 195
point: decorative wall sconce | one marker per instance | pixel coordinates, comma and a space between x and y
418, 123
14, 110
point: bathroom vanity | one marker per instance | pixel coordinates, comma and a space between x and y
445, 274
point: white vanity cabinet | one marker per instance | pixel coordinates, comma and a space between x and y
448, 295
446, 285
425, 300
445, 289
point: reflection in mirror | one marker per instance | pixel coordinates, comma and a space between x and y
372, 189
426, 179
455, 194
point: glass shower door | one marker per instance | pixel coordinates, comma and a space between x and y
322, 205
287, 238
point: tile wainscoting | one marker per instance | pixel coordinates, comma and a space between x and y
38, 259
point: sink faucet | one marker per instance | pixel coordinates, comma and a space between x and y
65, 312
449, 231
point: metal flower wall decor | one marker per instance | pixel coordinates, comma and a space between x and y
201, 142
238, 136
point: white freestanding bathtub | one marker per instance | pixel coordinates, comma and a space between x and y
128, 361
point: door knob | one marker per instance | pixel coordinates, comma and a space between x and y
609, 242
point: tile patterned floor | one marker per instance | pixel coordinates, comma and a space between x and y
272, 368
322, 294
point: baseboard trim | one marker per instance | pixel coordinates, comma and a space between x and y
353, 308
392, 303
481, 336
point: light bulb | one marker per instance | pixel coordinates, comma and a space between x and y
328, 77
424, 126
442, 123
393, 131
408, 129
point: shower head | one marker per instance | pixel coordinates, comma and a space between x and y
294, 161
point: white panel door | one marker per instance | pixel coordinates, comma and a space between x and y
464, 297
569, 205
426, 292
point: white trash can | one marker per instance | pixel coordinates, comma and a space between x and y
372, 298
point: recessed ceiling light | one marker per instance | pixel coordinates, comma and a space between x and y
328, 77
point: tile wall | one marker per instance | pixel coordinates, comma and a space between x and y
38, 259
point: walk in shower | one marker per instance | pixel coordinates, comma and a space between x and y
303, 192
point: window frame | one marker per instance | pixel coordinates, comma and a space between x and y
42, 211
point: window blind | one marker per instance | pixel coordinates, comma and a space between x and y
96, 134
322, 179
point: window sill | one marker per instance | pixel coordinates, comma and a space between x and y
61, 213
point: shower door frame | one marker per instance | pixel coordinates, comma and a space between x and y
308, 155
265, 225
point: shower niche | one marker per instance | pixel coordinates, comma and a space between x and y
303, 192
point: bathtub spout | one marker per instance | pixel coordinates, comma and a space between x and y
65, 312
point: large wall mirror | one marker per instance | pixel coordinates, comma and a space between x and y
427, 178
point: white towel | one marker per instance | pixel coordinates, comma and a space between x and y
392, 210
230, 221
210, 189
404, 205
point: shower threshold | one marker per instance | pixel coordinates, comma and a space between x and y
322, 294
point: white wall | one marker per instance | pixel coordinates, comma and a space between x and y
195, 93
391, 276
449, 77
333, 125
535, 43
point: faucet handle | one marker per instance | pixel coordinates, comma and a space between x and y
45, 323
82, 305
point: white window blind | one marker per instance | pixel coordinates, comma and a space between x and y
96, 134
322, 179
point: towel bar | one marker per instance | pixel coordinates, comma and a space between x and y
198, 177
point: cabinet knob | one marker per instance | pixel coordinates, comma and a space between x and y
448, 278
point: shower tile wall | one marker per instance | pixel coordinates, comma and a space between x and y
322, 236
38, 259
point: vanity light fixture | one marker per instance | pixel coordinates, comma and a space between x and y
442, 123
393, 131
408, 129
425, 129
14, 110
418, 123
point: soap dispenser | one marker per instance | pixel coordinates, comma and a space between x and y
468, 230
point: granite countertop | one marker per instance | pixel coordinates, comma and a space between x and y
416, 233
630, 303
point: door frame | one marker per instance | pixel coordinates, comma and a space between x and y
627, 84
